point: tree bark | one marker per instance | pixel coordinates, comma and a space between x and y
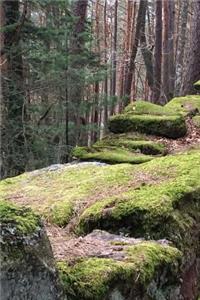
76, 65
13, 135
193, 69
158, 53
141, 12
181, 32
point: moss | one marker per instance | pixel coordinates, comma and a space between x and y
144, 107
167, 126
167, 209
145, 147
57, 195
185, 105
196, 120
92, 278
110, 155
21, 218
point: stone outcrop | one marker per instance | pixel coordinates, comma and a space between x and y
27, 264
119, 230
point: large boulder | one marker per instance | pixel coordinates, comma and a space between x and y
107, 266
27, 264
166, 126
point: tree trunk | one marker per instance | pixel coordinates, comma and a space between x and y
193, 69
165, 70
158, 53
76, 65
13, 133
146, 52
141, 12
181, 32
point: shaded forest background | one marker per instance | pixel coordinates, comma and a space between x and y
66, 66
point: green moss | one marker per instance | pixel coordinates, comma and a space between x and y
144, 107
92, 278
196, 120
110, 155
167, 126
166, 209
57, 195
145, 147
185, 105
23, 219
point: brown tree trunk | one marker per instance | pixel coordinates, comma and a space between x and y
76, 77
141, 12
157, 53
181, 41
171, 48
165, 69
146, 52
193, 69
13, 134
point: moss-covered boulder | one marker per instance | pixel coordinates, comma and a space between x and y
166, 126
134, 145
147, 108
168, 208
187, 105
27, 265
110, 155
106, 266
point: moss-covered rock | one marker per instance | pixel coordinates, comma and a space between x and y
58, 194
27, 265
167, 126
142, 146
144, 107
169, 208
110, 155
187, 105
128, 268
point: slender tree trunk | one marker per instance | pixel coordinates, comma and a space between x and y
165, 70
141, 12
146, 52
171, 48
181, 32
76, 66
157, 53
13, 135
193, 69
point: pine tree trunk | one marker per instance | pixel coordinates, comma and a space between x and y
193, 69
76, 65
157, 53
13, 135
181, 32
141, 12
